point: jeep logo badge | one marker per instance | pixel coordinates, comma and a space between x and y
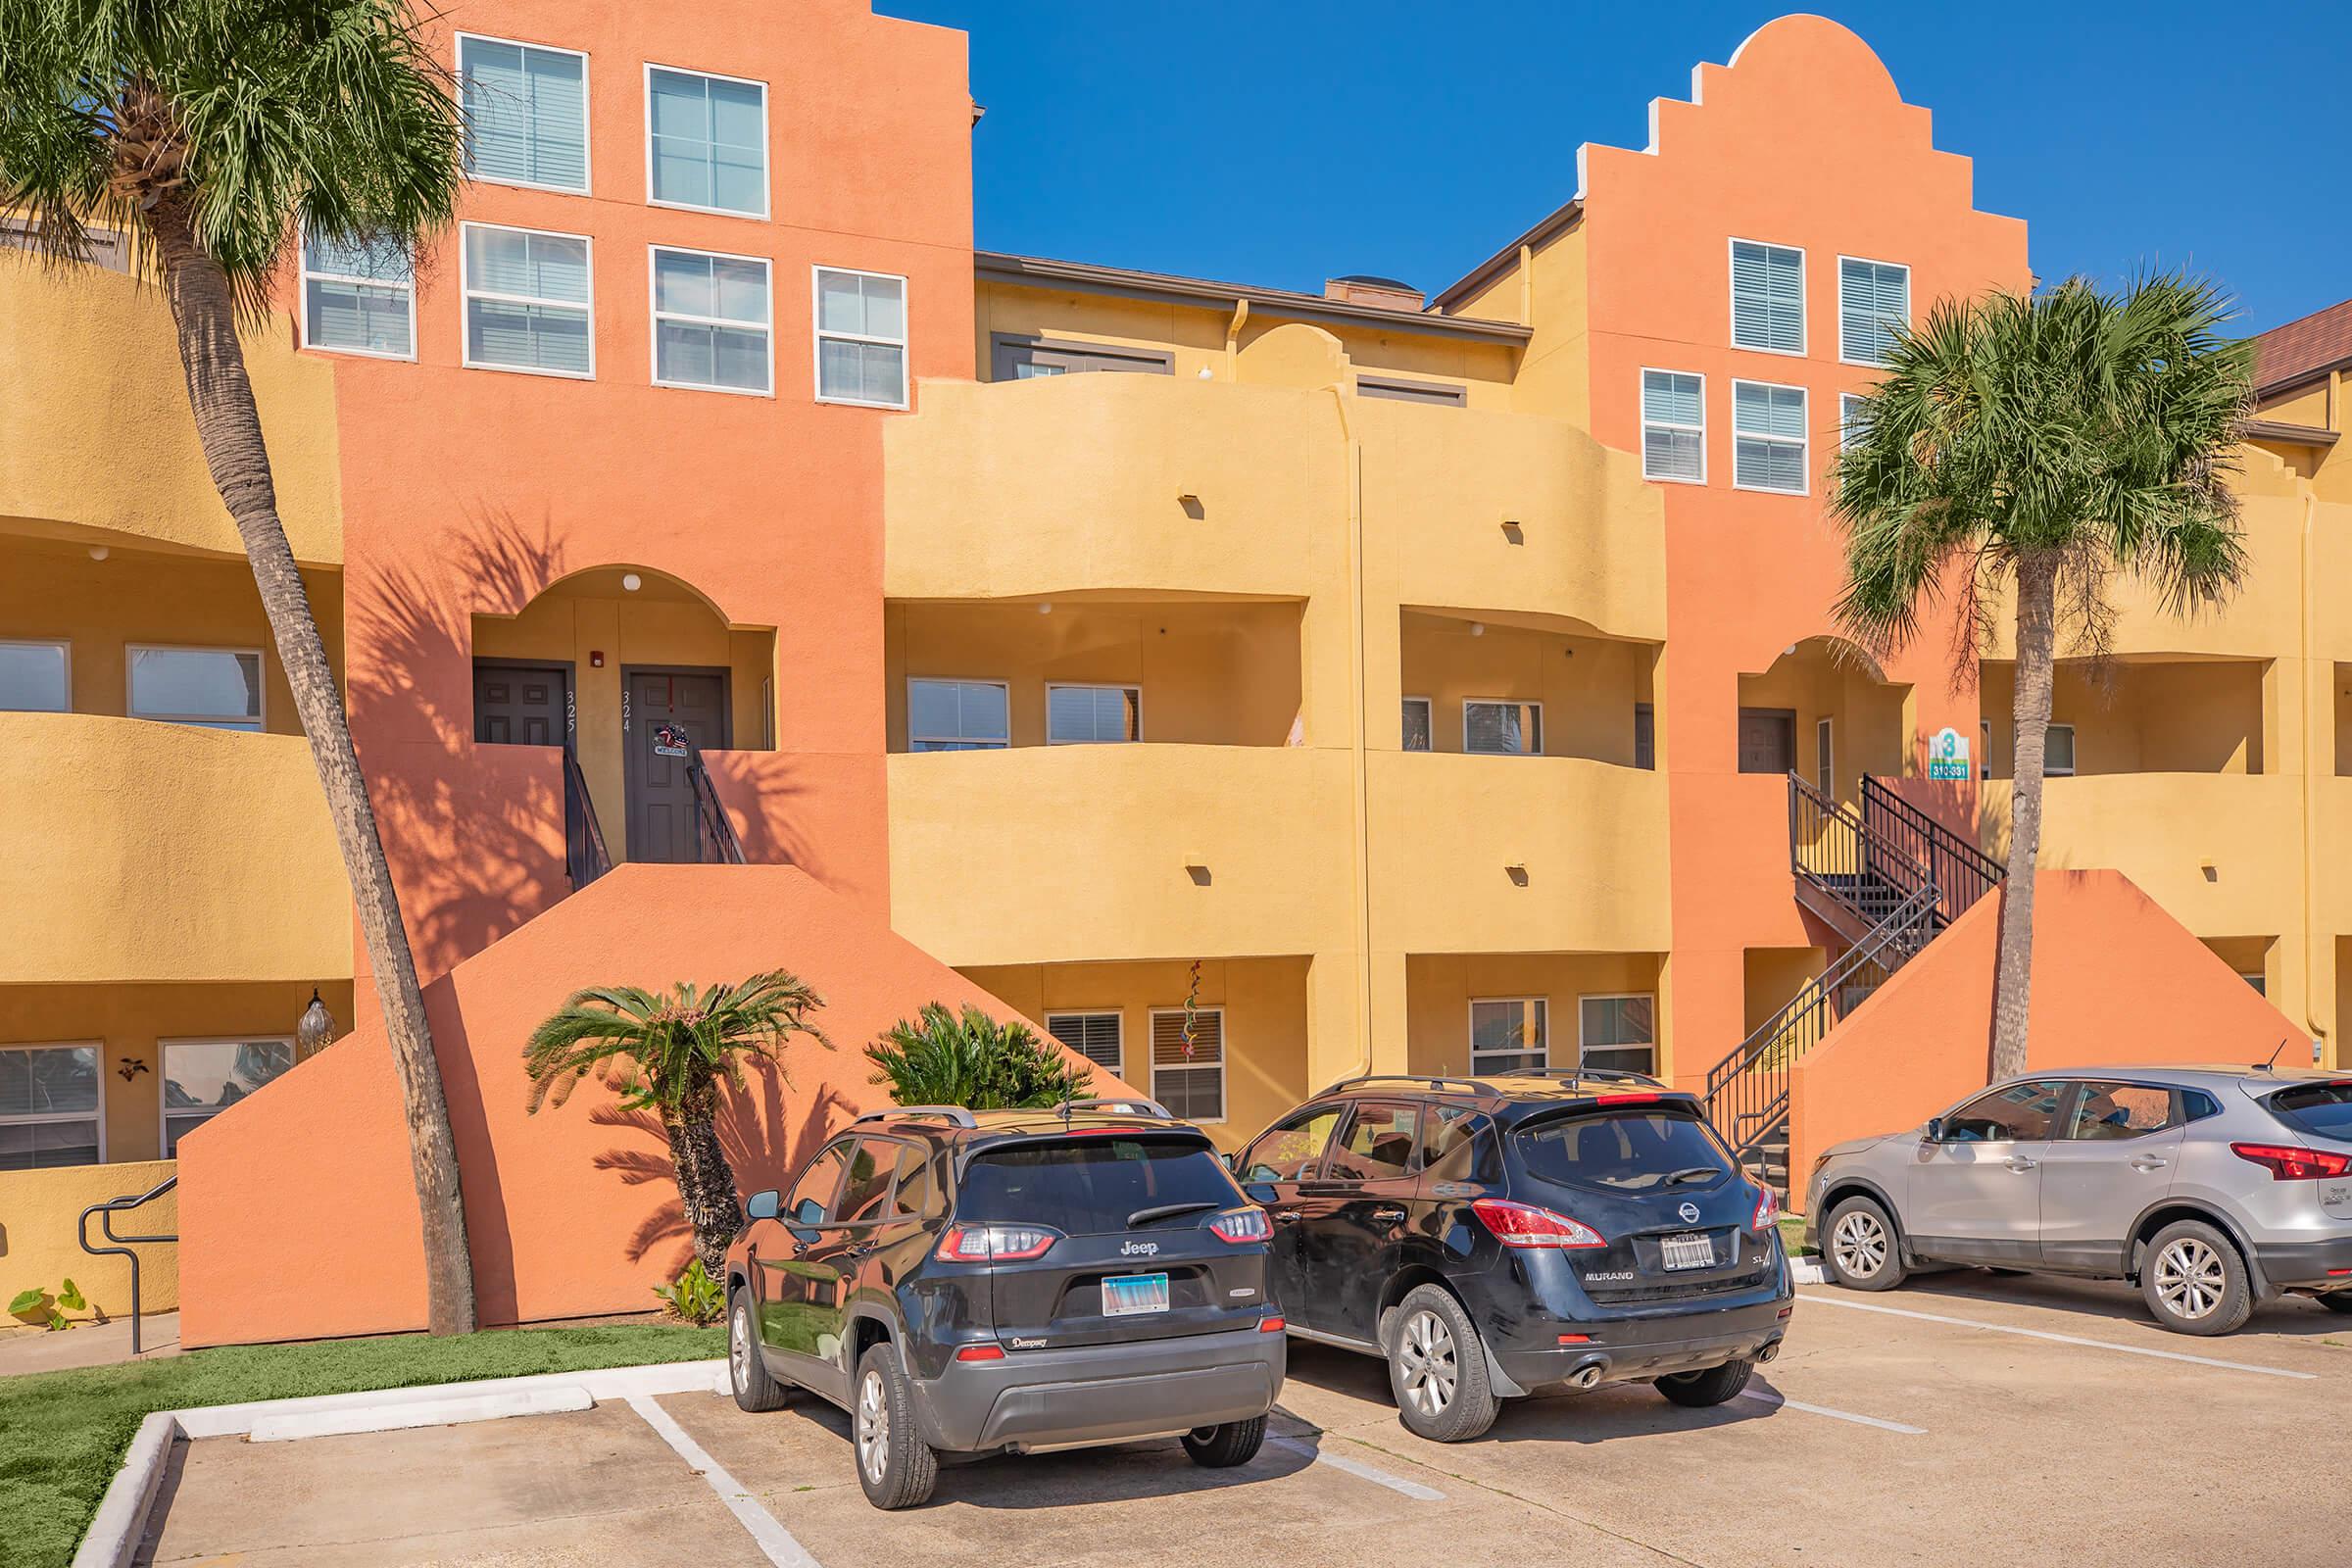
1140, 1250
1689, 1214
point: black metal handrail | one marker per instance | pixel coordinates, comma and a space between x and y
585, 858
1834, 848
106, 1214
1964, 872
714, 831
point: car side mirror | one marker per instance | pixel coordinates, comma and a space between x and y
1228, 1157
764, 1206
1260, 1193
1935, 1129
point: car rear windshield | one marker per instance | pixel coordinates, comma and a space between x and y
1625, 1150
1089, 1185
2325, 1110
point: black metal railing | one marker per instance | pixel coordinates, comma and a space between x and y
714, 831
1962, 872
1832, 847
584, 856
123, 1244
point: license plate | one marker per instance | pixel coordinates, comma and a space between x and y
1687, 1251
1125, 1295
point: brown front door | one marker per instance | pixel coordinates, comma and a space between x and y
666, 714
1767, 740
521, 705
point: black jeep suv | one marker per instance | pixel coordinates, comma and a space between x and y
1488, 1236
968, 1282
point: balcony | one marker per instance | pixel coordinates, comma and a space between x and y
145, 851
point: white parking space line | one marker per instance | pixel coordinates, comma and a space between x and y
2062, 1339
1356, 1467
766, 1532
1780, 1400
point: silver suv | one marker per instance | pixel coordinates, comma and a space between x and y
2211, 1188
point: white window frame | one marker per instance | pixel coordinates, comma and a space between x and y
1117, 1016
1053, 686
1984, 739
768, 148
1223, 1061
1641, 407
1650, 997
1468, 702
957, 680
1429, 710
2073, 750
587, 116
1904, 267
96, 1113
1804, 442
130, 703
1731, 297
656, 316
466, 296
163, 1110
302, 314
818, 336
1825, 754
64, 646
1846, 421
1470, 1016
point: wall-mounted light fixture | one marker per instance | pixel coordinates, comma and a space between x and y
1517, 872
99, 552
1478, 629
631, 582
1045, 609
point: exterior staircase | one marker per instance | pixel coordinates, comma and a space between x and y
1888, 879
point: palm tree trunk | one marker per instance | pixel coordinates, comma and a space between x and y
705, 1181
2037, 652
229, 427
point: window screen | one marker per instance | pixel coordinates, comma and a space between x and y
1189, 1078
1873, 299
1093, 1035
527, 114
1768, 297
1673, 426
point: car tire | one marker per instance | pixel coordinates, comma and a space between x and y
1438, 1369
2194, 1281
1229, 1444
1860, 1247
894, 1465
757, 1390
2337, 1300
1698, 1391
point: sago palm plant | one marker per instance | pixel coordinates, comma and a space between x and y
2043, 443
946, 1059
208, 132
671, 1055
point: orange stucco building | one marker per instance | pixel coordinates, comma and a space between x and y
728, 567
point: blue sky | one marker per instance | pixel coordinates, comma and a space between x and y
1284, 141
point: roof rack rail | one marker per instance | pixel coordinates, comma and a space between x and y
956, 1114
1122, 1105
1424, 1080
1615, 1074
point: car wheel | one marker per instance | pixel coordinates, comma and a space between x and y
1699, 1389
2193, 1280
757, 1390
1860, 1247
894, 1465
2336, 1301
1221, 1447
1438, 1369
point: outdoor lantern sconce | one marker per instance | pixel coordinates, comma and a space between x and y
1517, 872
132, 1067
1195, 867
1514, 530
315, 1030
1191, 504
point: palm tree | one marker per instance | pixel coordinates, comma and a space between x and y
669, 1054
972, 1059
2044, 442
206, 132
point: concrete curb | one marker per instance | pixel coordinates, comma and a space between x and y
1807, 1271
121, 1517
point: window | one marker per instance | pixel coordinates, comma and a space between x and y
871, 1167
2106, 1113
1088, 1186
1288, 1153
2322, 1109
1768, 297
706, 142
957, 715
358, 298
1377, 1145
36, 677
1673, 426
1510, 1034
1093, 1035
1622, 1151
2260, 982
1984, 739
860, 338
1618, 1033
1438, 392
1025, 359
1768, 437
529, 301
916, 1192
2058, 752
220, 688
49, 1106
1873, 299
1502, 728
1416, 724
1645, 736
202, 1078
1450, 1141
1075, 714
1853, 412
710, 322
812, 1195
1825, 757
1191, 1083
526, 113
2019, 1113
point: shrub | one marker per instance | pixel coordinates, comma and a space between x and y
971, 1059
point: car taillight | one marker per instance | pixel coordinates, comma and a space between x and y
1243, 1225
981, 1353
2287, 1163
1768, 1206
995, 1244
1272, 1325
1525, 1225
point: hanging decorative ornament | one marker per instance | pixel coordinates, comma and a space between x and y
1192, 1008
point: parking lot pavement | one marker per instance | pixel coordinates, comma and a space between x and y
1967, 1419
